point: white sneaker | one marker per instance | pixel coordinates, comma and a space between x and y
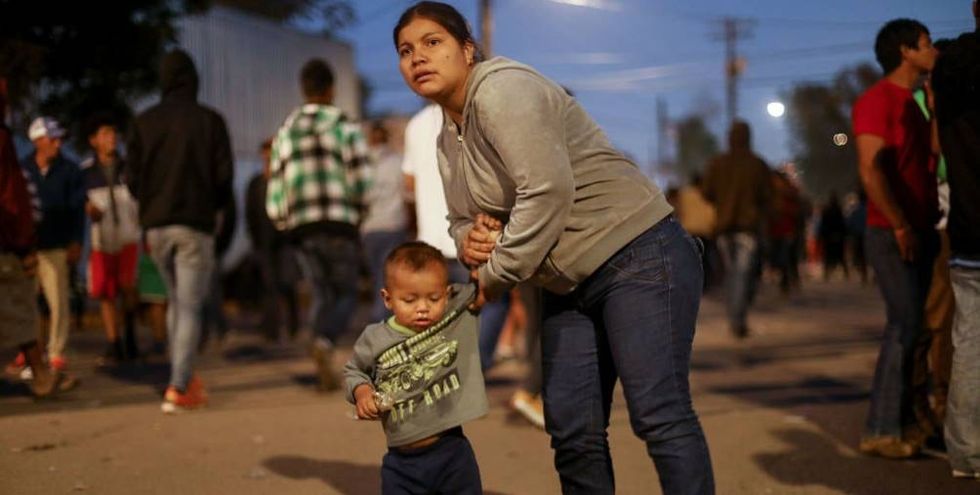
966, 474
529, 406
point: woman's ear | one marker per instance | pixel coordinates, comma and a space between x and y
469, 49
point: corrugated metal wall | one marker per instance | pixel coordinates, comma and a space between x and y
250, 72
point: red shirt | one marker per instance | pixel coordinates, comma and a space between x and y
888, 111
16, 213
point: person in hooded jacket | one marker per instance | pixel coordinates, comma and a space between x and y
737, 183
622, 279
180, 171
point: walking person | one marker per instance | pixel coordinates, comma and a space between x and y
386, 220
737, 183
274, 256
832, 233
114, 236
316, 194
895, 157
58, 182
180, 171
622, 278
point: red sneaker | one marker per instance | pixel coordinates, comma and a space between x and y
58, 363
195, 396
15, 367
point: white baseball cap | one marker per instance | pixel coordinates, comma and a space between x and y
45, 126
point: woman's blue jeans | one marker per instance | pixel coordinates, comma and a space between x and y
632, 319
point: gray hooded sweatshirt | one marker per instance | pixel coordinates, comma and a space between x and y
528, 155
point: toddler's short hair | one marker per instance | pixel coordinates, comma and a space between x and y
416, 256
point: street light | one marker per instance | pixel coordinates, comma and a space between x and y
776, 109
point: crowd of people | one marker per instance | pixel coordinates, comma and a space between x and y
912, 220
525, 214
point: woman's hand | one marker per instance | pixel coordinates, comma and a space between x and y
480, 240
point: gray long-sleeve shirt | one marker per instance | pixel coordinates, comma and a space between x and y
437, 381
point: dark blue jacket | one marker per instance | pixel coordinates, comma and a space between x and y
62, 201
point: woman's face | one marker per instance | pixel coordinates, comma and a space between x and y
432, 62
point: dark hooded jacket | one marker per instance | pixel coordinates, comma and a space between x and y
179, 155
739, 186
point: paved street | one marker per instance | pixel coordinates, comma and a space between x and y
782, 411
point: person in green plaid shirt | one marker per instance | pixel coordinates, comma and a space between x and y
319, 174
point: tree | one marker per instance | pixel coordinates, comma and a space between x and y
696, 145
332, 15
69, 62
818, 113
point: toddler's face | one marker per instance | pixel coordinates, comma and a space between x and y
417, 298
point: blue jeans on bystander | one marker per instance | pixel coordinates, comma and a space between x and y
963, 404
904, 287
185, 258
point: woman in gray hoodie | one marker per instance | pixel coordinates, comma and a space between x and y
622, 278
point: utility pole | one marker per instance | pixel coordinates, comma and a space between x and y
662, 125
732, 30
486, 28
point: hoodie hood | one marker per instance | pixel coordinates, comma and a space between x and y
739, 137
178, 76
483, 69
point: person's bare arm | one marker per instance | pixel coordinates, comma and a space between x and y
933, 122
876, 185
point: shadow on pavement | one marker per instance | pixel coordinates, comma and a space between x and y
754, 353
260, 353
345, 477
812, 459
812, 390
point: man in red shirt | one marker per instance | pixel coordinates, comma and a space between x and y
896, 153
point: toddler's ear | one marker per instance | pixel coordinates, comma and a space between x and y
386, 297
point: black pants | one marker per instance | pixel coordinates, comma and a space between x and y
445, 467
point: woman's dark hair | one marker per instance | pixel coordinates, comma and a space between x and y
892, 37
444, 15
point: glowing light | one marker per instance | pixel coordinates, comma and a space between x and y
776, 109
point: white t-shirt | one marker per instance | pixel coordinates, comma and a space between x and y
386, 204
431, 211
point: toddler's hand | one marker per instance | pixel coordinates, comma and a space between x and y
366, 407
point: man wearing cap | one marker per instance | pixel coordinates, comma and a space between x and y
59, 186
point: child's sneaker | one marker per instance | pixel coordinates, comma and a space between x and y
174, 401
